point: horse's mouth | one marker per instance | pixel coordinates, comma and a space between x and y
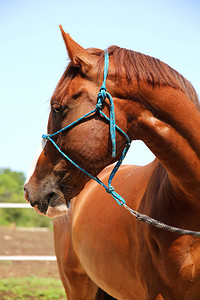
53, 211
52, 205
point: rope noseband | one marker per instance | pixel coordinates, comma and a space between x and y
101, 97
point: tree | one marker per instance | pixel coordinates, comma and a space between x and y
11, 186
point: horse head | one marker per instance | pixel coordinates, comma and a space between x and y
54, 180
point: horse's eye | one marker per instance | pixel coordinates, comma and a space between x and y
56, 109
77, 95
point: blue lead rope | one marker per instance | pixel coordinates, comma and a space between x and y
101, 97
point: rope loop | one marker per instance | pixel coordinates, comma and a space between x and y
110, 189
101, 98
102, 94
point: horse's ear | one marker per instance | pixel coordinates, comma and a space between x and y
78, 55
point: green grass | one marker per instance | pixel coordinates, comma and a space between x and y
30, 288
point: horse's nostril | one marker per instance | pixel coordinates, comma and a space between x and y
26, 194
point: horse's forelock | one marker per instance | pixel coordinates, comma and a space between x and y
61, 88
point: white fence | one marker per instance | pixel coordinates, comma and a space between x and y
24, 257
15, 205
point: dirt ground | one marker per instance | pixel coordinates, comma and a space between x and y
27, 241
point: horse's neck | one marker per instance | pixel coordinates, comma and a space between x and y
169, 124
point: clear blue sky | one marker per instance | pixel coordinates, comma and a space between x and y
33, 56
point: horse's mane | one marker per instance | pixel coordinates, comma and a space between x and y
136, 65
147, 68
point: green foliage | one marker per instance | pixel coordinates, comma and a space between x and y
11, 190
11, 186
28, 288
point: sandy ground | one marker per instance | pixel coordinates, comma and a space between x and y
24, 241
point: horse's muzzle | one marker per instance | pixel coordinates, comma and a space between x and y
48, 203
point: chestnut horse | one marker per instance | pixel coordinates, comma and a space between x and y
103, 252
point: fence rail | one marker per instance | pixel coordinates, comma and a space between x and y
24, 257
28, 257
15, 205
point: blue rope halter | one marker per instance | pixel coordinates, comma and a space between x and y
102, 95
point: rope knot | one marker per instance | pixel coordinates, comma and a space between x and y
103, 88
102, 93
45, 136
99, 105
101, 98
110, 189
